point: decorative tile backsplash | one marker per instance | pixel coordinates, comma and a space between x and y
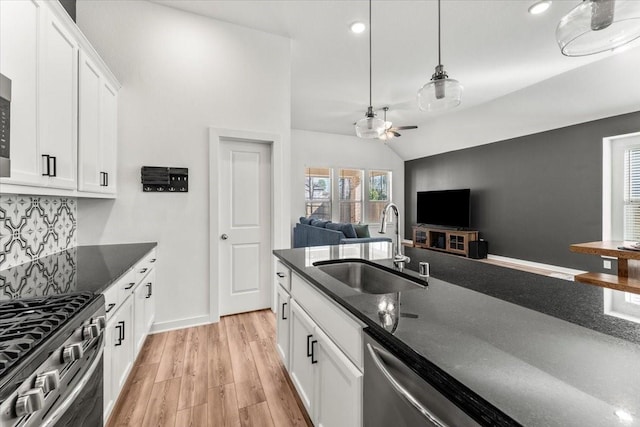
35, 226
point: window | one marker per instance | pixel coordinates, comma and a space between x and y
350, 189
379, 194
361, 194
317, 197
631, 200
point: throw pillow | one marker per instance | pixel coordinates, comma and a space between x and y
304, 220
335, 226
362, 230
319, 223
347, 229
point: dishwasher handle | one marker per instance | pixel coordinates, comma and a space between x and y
401, 390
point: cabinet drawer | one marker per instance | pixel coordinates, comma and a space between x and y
341, 327
111, 300
126, 285
144, 266
283, 275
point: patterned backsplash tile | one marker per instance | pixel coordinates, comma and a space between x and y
32, 227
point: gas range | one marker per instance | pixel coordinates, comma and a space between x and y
51, 341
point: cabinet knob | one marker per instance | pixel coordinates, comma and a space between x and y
72, 352
48, 381
29, 402
224, 237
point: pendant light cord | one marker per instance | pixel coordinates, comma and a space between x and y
370, 72
439, 59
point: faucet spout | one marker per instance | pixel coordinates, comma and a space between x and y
399, 258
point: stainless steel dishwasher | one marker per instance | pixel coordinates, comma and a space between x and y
396, 396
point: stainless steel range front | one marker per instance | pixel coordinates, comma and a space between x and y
51, 361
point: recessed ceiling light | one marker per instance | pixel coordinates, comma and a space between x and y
623, 415
358, 27
539, 7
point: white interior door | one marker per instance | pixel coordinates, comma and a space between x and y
244, 212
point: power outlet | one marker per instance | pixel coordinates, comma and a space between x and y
606, 264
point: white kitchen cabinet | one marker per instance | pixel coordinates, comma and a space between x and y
144, 309
97, 128
20, 22
283, 314
301, 368
58, 108
122, 342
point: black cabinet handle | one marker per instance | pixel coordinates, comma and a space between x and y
144, 270
280, 275
131, 285
46, 157
149, 289
309, 345
109, 308
283, 304
106, 179
120, 328
313, 352
152, 260
123, 333
55, 166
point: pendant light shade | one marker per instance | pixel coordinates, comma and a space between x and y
370, 127
441, 92
596, 26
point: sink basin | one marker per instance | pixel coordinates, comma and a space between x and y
367, 278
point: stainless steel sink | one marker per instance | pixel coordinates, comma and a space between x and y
367, 278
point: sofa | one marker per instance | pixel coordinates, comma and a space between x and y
316, 232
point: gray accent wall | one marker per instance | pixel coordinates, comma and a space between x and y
532, 196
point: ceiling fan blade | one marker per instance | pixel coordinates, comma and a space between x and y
404, 127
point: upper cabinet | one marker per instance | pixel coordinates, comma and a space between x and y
64, 104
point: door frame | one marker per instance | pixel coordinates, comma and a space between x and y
279, 208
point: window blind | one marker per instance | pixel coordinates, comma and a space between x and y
632, 194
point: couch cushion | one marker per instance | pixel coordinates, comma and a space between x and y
347, 229
362, 230
319, 223
304, 220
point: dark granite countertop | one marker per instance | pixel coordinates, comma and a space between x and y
510, 347
83, 268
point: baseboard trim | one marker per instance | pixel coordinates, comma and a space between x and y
533, 264
172, 325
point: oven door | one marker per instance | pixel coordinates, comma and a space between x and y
82, 404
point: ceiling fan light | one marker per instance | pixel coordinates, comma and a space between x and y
440, 94
596, 26
370, 127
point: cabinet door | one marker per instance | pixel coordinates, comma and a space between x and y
139, 326
338, 385
300, 366
109, 142
123, 346
150, 300
89, 132
59, 103
282, 324
20, 22
108, 358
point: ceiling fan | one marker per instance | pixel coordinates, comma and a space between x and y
392, 131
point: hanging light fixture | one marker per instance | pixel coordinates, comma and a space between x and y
441, 92
595, 26
370, 126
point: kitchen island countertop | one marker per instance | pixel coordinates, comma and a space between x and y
510, 347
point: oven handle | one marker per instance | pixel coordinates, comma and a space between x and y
60, 411
401, 390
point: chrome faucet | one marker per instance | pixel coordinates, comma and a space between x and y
399, 258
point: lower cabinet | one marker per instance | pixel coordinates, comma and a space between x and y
118, 352
329, 384
144, 309
282, 324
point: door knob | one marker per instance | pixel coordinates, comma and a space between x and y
224, 237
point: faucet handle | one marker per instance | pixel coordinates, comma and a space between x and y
424, 269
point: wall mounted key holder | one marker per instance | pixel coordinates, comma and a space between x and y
162, 179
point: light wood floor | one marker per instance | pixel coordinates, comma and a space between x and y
223, 374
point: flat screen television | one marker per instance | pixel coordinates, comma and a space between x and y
448, 208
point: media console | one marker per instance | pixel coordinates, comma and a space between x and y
443, 239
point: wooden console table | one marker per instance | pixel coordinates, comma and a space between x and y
628, 278
443, 239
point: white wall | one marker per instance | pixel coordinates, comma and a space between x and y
181, 74
315, 149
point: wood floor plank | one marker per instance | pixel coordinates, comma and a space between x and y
152, 350
249, 392
163, 404
249, 326
223, 406
193, 389
268, 321
172, 361
245, 376
220, 371
286, 410
193, 417
131, 407
260, 323
257, 415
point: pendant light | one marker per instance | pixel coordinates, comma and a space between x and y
370, 127
441, 92
595, 26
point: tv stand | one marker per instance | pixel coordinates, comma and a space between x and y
443, 239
